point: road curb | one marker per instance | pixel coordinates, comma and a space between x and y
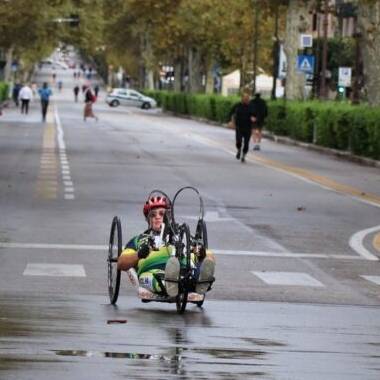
288, 141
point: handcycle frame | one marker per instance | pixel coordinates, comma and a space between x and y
183, 242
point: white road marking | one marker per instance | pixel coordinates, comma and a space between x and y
285, 254
55, 270
83, 247
356, 243
288, 279
65, 168
374, 279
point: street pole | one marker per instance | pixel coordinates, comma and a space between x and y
275, 55
323, 92
355, 89
255, 45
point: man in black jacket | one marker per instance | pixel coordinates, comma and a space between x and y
242, 115
261, 111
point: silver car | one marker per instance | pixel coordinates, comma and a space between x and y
127, 97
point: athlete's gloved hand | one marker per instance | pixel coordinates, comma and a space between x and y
143, 251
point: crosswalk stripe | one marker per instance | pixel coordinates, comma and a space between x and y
54, 270
288, 279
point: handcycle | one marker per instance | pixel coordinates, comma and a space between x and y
184, 245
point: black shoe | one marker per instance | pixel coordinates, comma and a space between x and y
238, 155
243, 158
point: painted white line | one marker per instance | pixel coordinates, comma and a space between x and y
374, 279
55, 270
69, 189
356, 243
66, 177
288, 279
285, 254
79, 247
83, 247
65, 171
60, 136
68, 183
65, 167
69, 196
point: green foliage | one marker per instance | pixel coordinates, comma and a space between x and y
4, 91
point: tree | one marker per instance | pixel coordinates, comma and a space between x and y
369, 26
297, 22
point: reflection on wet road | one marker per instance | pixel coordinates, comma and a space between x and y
69, 338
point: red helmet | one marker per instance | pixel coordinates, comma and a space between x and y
155, 202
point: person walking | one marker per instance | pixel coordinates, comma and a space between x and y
25, 95
76, 92
242, 115
15, 93
45, 93
89, 99
260, 109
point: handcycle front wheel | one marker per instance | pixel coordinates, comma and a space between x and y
185, 253
114, 251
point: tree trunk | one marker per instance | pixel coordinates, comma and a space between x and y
297, 22
369, 26
148, 61
8, 65
177, 74
195, 76
210, 77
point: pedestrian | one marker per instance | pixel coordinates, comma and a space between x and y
25, 95
60, 85
260, 109
242, 116
76, 92
89, 99
15, 93
45, 93
96, 90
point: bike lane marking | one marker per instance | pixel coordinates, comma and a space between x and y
47, 181
302, 174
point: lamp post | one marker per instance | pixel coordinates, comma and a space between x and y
275, 55
255, 45
323, 91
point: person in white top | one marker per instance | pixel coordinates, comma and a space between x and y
25, 95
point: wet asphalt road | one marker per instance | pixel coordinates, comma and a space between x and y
268, 223
68, 337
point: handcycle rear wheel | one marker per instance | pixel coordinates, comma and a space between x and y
201, 234
114, 251
183, 291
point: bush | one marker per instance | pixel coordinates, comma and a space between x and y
4, 91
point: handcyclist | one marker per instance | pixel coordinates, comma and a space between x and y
151, 255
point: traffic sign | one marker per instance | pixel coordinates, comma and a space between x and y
344, 78
306, 41
305, 63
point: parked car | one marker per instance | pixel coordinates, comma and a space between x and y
127, 97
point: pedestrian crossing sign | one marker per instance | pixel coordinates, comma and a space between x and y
305, 63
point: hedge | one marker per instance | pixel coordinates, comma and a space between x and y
4, 91
331, 124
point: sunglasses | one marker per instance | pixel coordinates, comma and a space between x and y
153, 214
